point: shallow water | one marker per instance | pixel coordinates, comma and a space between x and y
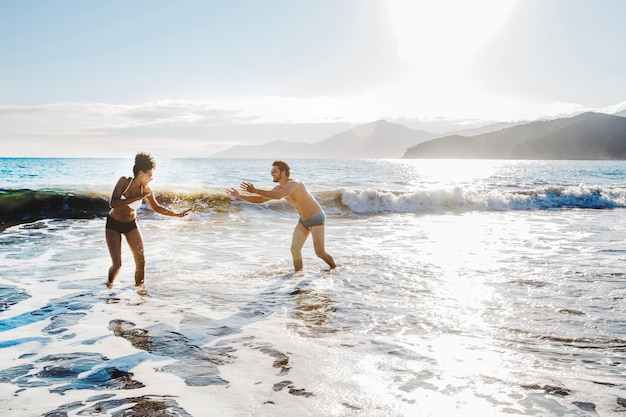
433, 311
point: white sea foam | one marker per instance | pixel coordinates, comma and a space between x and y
470, 199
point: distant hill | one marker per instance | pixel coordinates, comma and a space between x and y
586, 136
379, 139
483, 129
279, 148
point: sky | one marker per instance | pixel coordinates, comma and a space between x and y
190, 78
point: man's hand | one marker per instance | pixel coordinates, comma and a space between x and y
248, 186
233, 193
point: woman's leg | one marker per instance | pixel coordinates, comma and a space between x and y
135, 242
114, 242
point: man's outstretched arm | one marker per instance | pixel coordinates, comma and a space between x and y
256, 199
275, 194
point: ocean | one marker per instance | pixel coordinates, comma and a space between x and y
463, 287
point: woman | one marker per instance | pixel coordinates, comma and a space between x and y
127, 196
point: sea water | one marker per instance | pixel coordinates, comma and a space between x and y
485, 288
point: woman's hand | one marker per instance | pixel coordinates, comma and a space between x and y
184, 213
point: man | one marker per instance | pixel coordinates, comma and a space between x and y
312, 217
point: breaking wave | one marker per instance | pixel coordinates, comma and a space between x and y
461, 199
24, 206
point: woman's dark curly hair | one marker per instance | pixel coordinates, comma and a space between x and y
143, 162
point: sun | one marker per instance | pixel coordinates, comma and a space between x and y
439, 45
444, 31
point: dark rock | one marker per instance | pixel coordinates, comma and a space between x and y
585, 406
280, 385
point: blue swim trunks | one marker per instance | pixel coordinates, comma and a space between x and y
318, 220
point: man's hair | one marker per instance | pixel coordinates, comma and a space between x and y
282, 166
143, 162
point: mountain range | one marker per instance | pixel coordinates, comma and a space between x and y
585, 136
379, 139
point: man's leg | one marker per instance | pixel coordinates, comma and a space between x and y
300, 233
318, 244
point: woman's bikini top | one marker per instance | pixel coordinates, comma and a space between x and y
135, 204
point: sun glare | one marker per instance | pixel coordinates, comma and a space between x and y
445, 30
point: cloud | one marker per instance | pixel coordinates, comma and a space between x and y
616, 108
176, 128
97, 119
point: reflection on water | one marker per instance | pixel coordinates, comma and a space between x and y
312, 313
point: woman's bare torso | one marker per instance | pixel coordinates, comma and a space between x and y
130, 190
